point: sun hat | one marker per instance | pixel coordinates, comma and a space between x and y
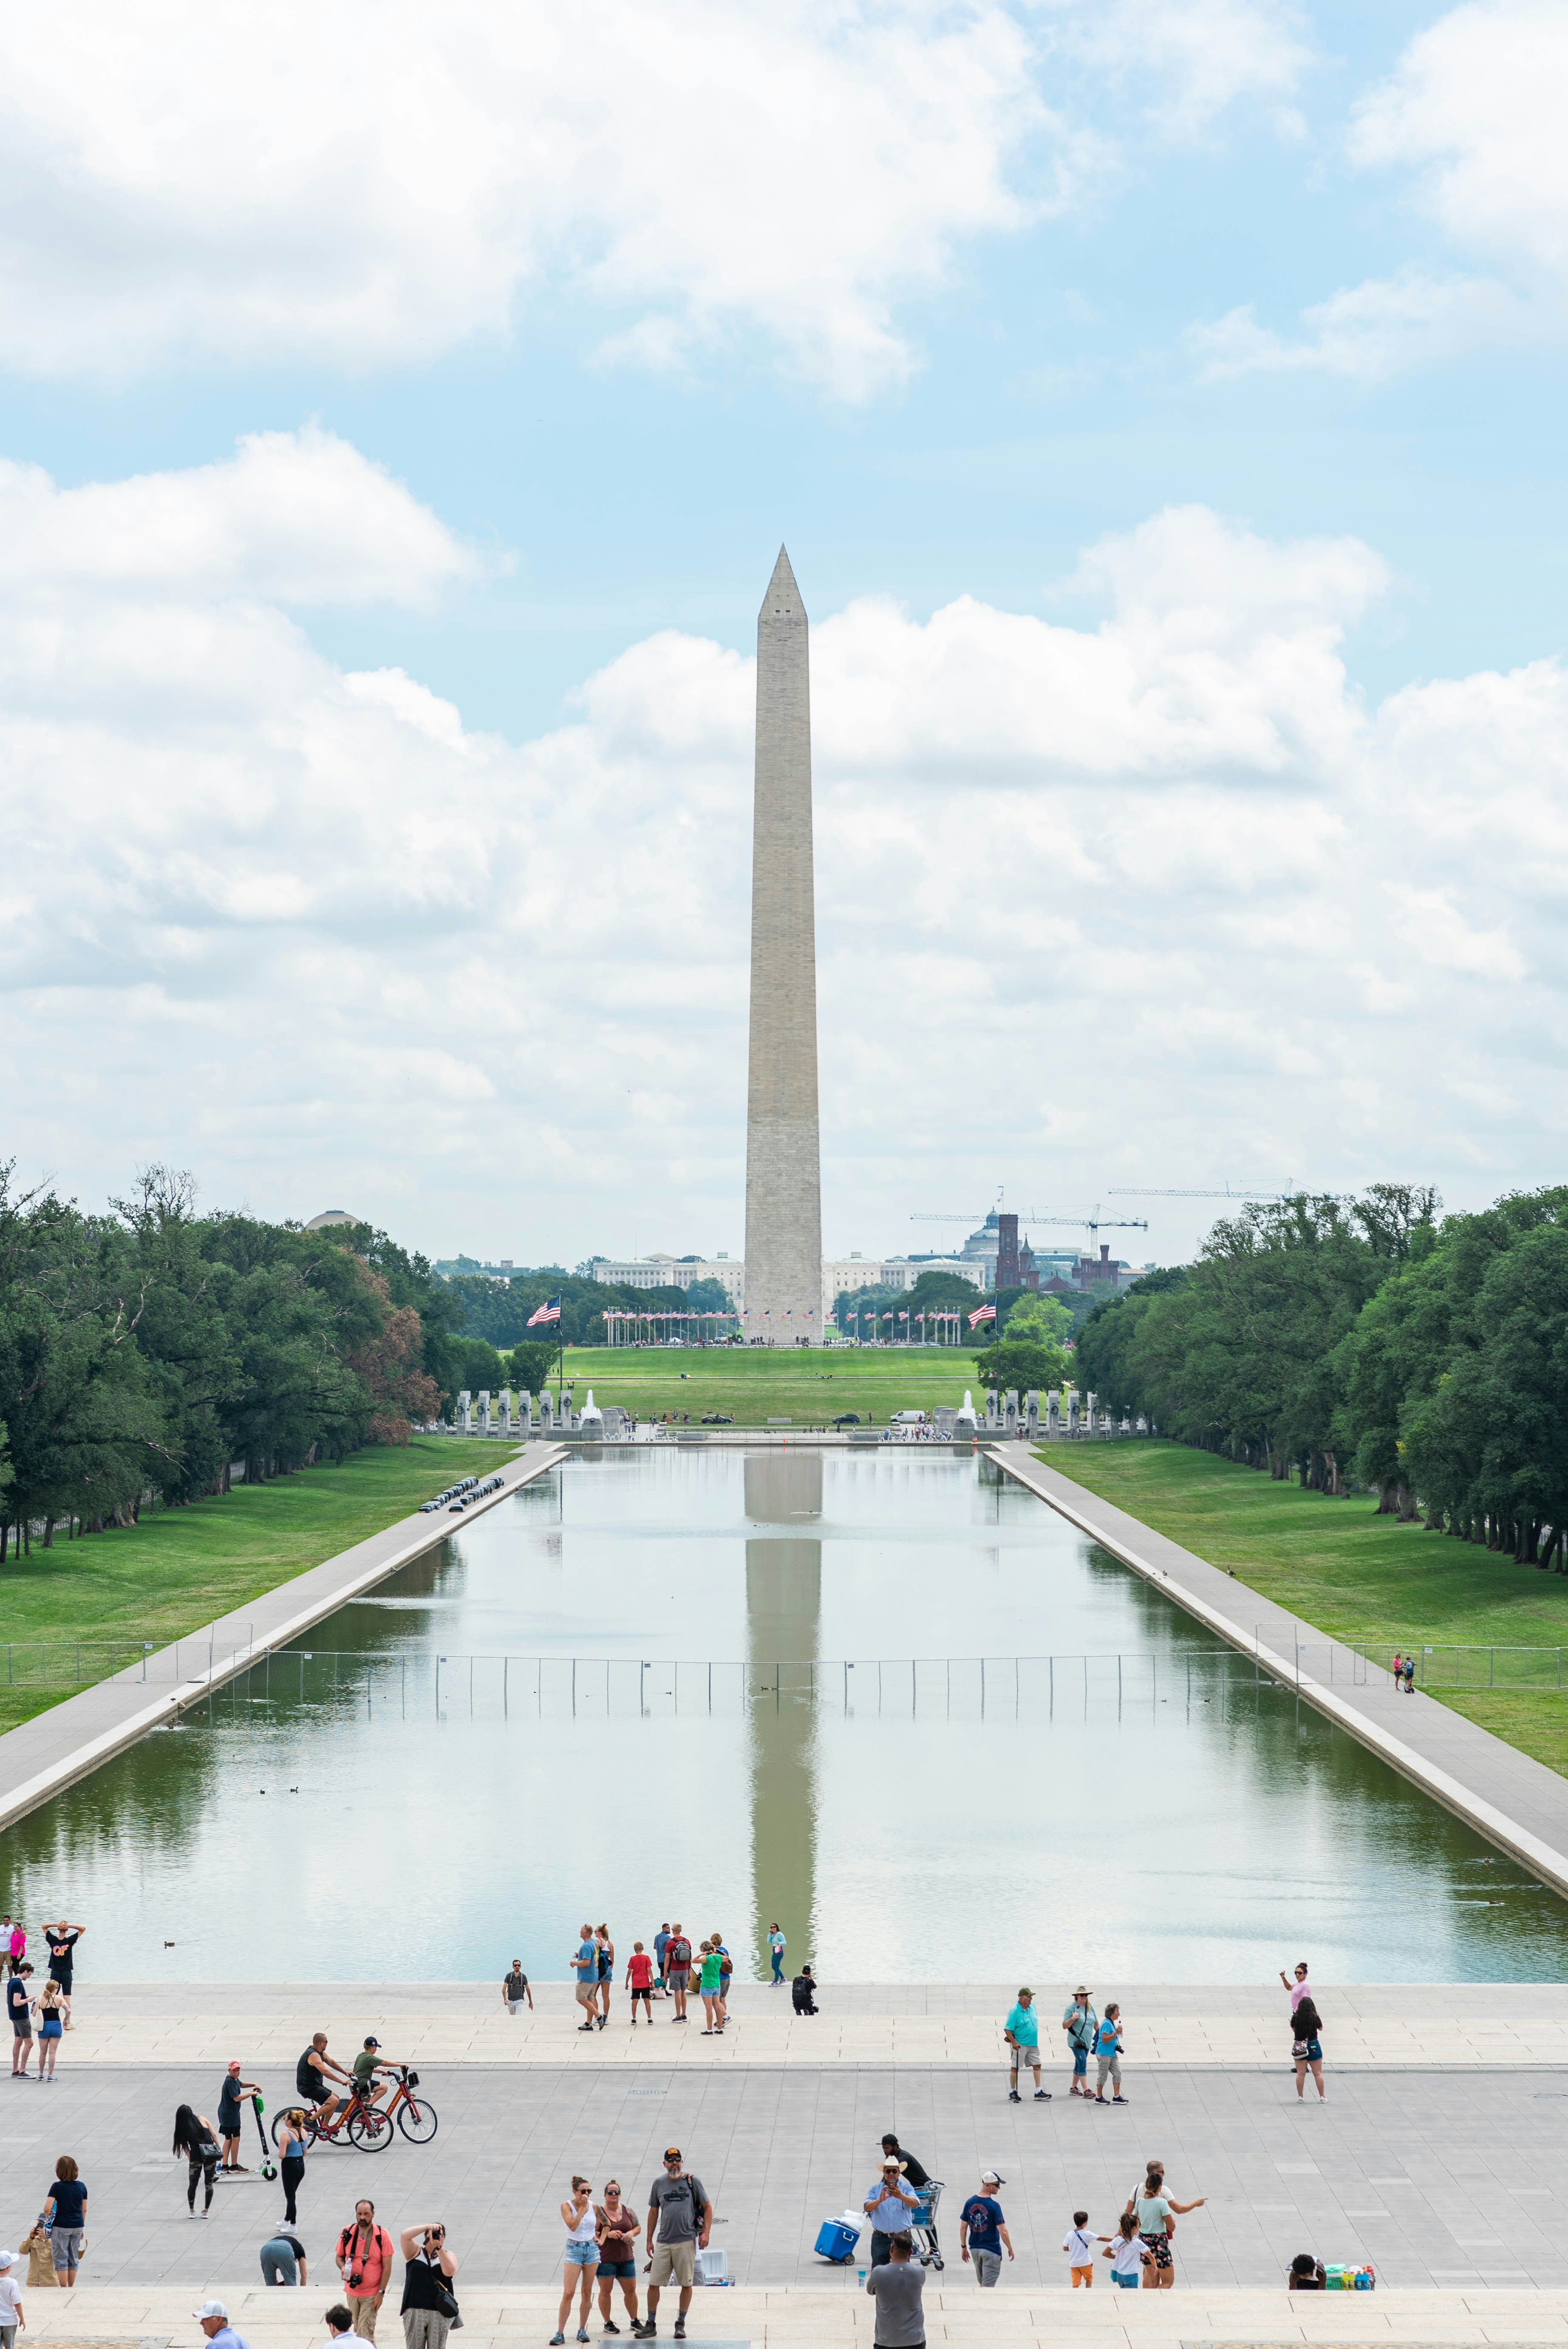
210, 2308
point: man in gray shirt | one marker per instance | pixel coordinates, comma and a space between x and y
896, 2290
679, 2207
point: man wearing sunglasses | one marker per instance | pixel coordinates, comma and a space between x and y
679, 2206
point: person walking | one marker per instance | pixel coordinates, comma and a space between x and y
429, 2302
283, 2257
65, 2214
364, 2263
892, 2205
514, 1989
197, 2140
711, 2026
1127, 2255
1022, 2032
18, 1945
606, 1959
677, 1970
618, 2226
680, 2218
661, 1943
11, 2313
897, 2288
229, 2095
1080, 2023
983, 2231
50, 2011
1155, 2212
582, 2258
585, 1967
61, 1942
1410, 1675
1107, 2055
776, 1947
640, 1981
1078, 2250
293, 2147
1306, 2046
19, 2007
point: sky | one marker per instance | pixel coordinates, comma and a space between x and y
400, 414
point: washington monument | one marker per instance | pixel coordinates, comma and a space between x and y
783, 1158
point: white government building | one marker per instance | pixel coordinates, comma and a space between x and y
840, 1275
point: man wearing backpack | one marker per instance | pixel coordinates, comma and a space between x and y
364, 2263
678, 1966
678, 2206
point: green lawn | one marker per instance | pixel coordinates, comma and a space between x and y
174, 1571
808, 1384
1339, 1564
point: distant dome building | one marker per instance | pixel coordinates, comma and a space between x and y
332, 1215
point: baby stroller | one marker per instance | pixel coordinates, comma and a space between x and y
926, 2248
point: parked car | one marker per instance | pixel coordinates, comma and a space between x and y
907, 1419
848, 1418
718, 1418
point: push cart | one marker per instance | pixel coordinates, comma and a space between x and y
927, 2250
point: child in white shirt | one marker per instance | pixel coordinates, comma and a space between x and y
11, 2314
1077, 2244
1127, 2255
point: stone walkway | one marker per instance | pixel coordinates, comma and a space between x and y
55, 1748
1227, 2025
1513, 1801
1444, 2180
748, 2318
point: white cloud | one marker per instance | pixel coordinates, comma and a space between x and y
1151, 900
262, 182
1193, 59
1476, 106
1474, 109
1366, 332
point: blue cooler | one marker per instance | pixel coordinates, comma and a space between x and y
837, 2241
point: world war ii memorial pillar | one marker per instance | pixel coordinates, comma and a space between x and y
783, 1154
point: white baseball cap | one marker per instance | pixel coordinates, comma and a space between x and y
991, 2177
7, 2258
210, 2308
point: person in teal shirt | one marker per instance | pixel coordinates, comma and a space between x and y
1022, 2032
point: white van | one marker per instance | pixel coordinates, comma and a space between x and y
907, 1419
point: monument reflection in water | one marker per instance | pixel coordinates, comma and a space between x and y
678, 1682
783, 1623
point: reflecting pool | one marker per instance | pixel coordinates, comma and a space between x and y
888, 1698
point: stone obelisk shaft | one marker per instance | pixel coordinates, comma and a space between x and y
783, 1158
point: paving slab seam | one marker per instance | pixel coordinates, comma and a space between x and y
81, 1760
1543, 1858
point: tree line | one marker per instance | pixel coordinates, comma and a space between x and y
144, 1352
1368, 1344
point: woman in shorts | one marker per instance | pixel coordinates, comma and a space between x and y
712, 2005
581, 2259
617, 2229
1307, 2045
606, 1948
1156, 2213
66, 2212
51, 2013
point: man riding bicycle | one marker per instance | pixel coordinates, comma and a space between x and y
366, 2063
311, 2083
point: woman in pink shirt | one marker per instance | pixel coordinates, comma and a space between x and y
1300, 1988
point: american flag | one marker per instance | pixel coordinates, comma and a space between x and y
985, 1313
549, 1311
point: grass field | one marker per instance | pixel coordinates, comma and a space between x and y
810, 1385
161, 1579
1339, 1564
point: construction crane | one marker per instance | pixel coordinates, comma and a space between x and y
1090, 1222
1341, 1198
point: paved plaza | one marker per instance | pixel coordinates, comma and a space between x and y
1441, 2179
913, 2025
